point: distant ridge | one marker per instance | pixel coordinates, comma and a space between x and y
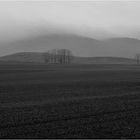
104, 60
79, 45
38, 58
24, 57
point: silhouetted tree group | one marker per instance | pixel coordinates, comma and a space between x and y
59, 56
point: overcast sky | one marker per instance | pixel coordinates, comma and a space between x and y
95, 19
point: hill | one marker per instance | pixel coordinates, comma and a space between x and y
103, 60
38, 57
79, 45
24, 57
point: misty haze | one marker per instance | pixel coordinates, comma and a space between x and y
69, 69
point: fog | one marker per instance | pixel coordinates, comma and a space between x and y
97, 20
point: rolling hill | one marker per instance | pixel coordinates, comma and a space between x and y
79, 45
38, 57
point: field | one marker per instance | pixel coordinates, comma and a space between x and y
69, 101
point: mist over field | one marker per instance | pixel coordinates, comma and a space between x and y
89, 29
79, 45
69, 69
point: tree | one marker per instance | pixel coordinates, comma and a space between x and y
137, 57
69, 56
65, 56
54, 54
61, 56
46, 57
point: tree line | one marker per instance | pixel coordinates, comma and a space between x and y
65, 56
60, 56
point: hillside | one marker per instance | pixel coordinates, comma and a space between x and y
24, 57
38, 57
79, 45
103, 60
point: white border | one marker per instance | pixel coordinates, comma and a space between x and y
67, 0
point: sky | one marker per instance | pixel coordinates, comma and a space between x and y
24, 25
100, 20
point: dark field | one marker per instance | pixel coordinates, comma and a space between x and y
69, 101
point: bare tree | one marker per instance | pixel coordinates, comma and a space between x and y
69, 56
137, 57
54, 53
61, 56
66, 56
46, 57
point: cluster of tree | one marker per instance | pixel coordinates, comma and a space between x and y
60, 56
